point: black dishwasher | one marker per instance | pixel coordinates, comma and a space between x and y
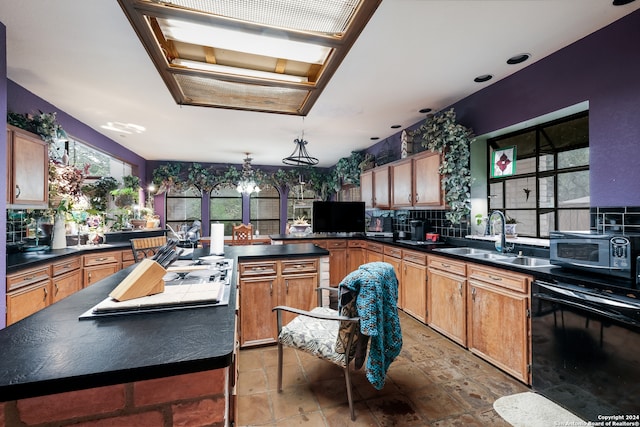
586, 350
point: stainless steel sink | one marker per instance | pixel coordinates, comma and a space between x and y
527, 261
464, 251
491, 256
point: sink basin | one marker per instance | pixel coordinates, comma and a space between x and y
465, 251
491, 256
527, 261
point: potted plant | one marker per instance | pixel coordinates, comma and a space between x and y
510, 226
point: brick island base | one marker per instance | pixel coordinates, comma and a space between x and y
197, 399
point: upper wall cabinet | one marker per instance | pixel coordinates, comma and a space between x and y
27, 169
415, 181
374, 187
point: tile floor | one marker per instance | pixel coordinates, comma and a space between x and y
433, 382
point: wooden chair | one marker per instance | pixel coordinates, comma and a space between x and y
342, 336
146, 247
242, 234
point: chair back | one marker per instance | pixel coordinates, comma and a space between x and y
242, 234
146, 247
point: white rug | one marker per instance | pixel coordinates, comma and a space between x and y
533, 410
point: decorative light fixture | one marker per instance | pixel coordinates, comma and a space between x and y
247, 183
300, 156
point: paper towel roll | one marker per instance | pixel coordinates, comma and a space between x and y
217, 239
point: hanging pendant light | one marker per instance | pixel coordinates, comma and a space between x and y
247, 184
300, 156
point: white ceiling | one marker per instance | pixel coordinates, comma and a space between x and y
84, 58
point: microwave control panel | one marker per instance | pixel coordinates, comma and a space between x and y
620, 252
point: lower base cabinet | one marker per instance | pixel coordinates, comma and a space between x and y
266, 284
447, 298
414, 284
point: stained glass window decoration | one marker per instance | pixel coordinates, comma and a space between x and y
503, 162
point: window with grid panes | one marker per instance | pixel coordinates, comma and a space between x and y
100, 164
265, 210
183, 207
225, 207
550, 188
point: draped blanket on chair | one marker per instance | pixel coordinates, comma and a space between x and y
376, 287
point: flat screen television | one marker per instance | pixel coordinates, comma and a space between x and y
338, 217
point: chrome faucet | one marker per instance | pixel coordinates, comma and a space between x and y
503, 236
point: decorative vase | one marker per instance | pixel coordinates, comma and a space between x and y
59, 240
510, 230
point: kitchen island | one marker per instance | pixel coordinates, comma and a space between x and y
165, 368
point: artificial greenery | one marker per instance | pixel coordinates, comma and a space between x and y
167, 176
348, 168
99, 192
441, 133
43, 124
204, 179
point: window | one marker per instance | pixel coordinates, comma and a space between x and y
265, 210
300, 203
225, 206
550, 188
183, 206
100, 164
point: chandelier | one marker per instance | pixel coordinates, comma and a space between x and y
247, 183
300, 156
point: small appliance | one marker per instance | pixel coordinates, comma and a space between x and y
608, 254
418, 229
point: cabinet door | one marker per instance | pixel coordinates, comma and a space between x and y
355, 258
337, 260
258, 295
426, 178
298, 291
381, 187
28, 300
401, 184
447, 304
414, 290
65, 285
9, 170
98, 272
30, 170
498, 328
366, 188
397, 267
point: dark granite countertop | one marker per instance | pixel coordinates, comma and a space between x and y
52, 351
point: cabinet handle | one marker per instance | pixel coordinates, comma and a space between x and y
18, 191
101, 259
55, 285
46, 294
443, 265
271, 288
298, 266
497, 279
286, 284
258, 268
417, 197
473, 294
409, 198
89, 277
29, 278
460, 288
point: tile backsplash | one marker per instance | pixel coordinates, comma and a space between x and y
436, 219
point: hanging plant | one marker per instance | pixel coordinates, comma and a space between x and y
99, 192
348, 169
442, 134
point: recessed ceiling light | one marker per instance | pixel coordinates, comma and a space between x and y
396, 126
517, 59
621, 2
483, 78
374, 138
425, 110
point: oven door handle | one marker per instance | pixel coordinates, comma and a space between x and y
604, 313
587, 297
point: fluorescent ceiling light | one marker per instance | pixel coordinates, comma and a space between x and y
240, 41
205, 66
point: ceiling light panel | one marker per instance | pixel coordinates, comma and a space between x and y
265, 47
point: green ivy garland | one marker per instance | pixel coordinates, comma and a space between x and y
442, 134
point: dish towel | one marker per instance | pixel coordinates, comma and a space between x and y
376, 287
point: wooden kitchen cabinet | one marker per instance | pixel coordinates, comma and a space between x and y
28, 291
66, 278
416, 181
375, 252
374, 187
447, 298
27, 169
414, 284
266, 284
356, 254
393, 256
127, 258
337, 260
100, 265
498, 318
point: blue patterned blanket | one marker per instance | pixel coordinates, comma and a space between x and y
376, 287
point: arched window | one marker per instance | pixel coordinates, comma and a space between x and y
265, 210
183, 206
225, 206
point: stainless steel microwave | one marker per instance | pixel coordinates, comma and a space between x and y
612, 254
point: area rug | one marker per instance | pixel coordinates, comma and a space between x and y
533, 410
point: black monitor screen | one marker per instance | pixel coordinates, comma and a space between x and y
338, 217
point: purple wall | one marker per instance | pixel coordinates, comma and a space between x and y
3, 181
602, 68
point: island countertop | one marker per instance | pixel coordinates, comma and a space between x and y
52, 351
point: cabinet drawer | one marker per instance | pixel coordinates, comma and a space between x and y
127, 255
447, 264
299, 266
27, 277
265, 268
375, 247
393, 251
414, 257
357, 244
336, 244
502, 278
61, 267
29, 300
102, 258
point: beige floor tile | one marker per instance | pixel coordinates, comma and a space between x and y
250, 359
315, 419
395, 410
251, 382
254, 409
293, 401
